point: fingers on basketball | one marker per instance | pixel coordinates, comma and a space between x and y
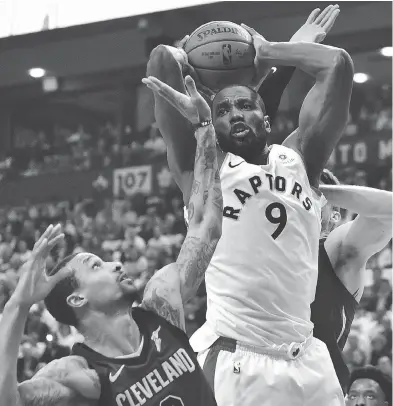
250, 30
183, 41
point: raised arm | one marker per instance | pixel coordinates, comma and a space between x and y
351, 245
175, 284
167, 64
272, 88
50, 387
325, 110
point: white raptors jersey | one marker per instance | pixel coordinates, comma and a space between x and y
262, 277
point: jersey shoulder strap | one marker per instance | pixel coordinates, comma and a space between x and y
149, 319
325, 269
101, 369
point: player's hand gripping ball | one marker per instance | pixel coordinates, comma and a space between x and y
222, 53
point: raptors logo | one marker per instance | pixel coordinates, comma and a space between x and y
227, 54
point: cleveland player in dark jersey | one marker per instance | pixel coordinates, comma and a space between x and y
343, 254
130, 357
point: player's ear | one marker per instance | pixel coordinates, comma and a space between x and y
76, 300
266, 121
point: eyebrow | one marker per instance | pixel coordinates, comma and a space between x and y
87, 259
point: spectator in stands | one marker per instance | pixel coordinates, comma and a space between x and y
155, 144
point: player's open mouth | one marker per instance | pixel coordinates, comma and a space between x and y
239, 130
123, 277
240, 134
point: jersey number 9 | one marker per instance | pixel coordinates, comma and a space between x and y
279, 217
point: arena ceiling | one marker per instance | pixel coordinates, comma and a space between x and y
362, 29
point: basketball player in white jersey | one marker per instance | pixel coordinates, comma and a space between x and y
256, 346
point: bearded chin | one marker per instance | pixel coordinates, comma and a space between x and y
249, 151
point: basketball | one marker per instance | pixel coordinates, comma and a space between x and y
222, 53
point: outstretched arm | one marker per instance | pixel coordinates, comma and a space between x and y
351, 245
325, 110
46, 388
366, 201
175, 284
168, 64
272, 88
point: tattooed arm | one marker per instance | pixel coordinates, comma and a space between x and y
65, 382
175, 284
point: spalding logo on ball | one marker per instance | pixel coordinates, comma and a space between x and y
222, 54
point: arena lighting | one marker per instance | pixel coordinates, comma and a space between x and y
37, 73
360, 77
386, 51
49, 338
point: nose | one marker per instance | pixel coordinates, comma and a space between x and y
236, 116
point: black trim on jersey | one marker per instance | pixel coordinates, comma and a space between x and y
339, 283
330, 292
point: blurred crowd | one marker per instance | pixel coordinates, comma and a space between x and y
146, 232
100, 146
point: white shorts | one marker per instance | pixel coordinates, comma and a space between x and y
243, 375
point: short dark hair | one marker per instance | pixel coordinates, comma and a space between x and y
259, 98
328, 178
56, 301
373, 373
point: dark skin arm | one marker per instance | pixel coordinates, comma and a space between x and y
167, 64
325, 110
315, 29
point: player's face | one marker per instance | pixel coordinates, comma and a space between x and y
329, 218
365, 392
101, 284
240, 123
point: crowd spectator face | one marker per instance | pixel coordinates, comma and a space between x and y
385, 289
22, 246
157, 232
365, 392
385, 365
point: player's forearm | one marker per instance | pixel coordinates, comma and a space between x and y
314, 59
205, 215
11, 329
362, 200
205, 207
273, 88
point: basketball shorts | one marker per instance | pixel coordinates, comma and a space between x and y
244, 375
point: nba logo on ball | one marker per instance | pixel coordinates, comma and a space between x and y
222, 54
227, 54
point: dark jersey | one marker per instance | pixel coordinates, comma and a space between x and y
332, 313
165, 374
